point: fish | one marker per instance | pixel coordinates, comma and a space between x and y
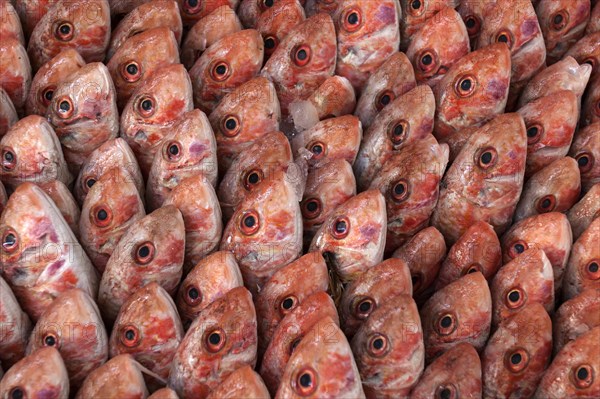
456, 372
566, 74
246, 114
40, 374
517, 354
572, 371
198, 203
73, 325
590, 113
10, 25
194, 10
587, 51
153, 109
187, 150
164, 393
367, 33
423, 253
352, 238
120, 377
275, 22
414, 15
472, 13
550, 232
113, 153
313, 7
585, 211
321, 366
459, 312
30, 12
576, 316
473, 90
290, 331
410, 181
155, 242
389, 348
330, 139
562, 23
286, 290
60, 194
84, 112
391, 80
586, 151
222, 339
478, 249
303, 60
550, 123
210, 279
265, 231
594, 22
556, 188
242, 382
16, 327
40, 255
149, 329
487, 174
8, 113
83, 25
3, 197
407, 118
222, 67
371, 290
31, 152
15, 72
110, 208
48, 77
256, 165
526, 279
222, 22
155, 14
138, 58
583, 270
428, 54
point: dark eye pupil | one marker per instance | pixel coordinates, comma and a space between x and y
486, 158
132, 69
516, 358
416, 4
90, 183
470, 22
221, 69
102, 214
340, 227
378, 343
249, 221
364, 306
130, 335
593, 267
445, 393
269, 43
317, 149
305, 380
427, 59
287, 303
48, 95
399, 189
214, 338
546, 203
466, 84
558, 19
230, 124
503, 38
353, 18
17, 393
514, 296
173, 149
269, 3
49, 340
65, 29
253, 178
582, 374
446, 321
10, 240
519, 248
9, 156
193, 293
301, 55
146, 105
64, 106
398, 130
532, 131
385, 100
312, 206
144, 251
192, 3
582, 161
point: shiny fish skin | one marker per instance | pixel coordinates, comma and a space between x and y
582, 271
30, 12
244, 382
414, 15
585, 211
587, 51
590, 113
60, 194
13, 341
576, 316
586, 151
275, 22
10, 25
8, 113
15, 72
191, 12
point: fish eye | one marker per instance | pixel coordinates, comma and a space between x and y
517, 248
352, 19
249, 224
146, 107
465, 86
230, 126
398, 132
9, 159
301, 55
47, 95
215, 340
64, 108
427, 61
317, 148
101, 216
585, 161
504, 37
473, 25
172, 151
583, 376
252, 178
50, 339
88, 183
517, 360
473, 268
487, 158
446, 392
400, 191
10, 241
130, 336
192, 296
265, 4
378, 345
446, 324
546, 204
192, 6
340, 228
131, 71
294, 344
592, 269
311, 208
287, 304
364, 307
416, 7
515, 298
220, 71
17, 393
306, 382
144, 253
384, 99
559, 20
64, 31
271, 43
534, 133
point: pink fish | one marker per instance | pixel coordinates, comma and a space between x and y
525, 280
244, 382
10, 25
198, 203
585, 211
321, 6
472, 13
210, 279
222, 67
591, 102
60, 194
456, 373
48, 77
575, 317
594, 22
15, 72
187, 150
586, 151
72, 324
415, 13
16, 327
30, 12
83, 25
275, 22
220, 340
583, 269
120, 8
156, 243
84, 112
407, 118
194, 10
41, 257
164, 393
587, 51
8, 113
459, 312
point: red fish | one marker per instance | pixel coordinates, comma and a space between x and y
525, 280
244, 382
48, 77
585, 211
586, 151
321, 6
352, 238
427, 51
15, 72
587, 51
591, 102
243, 116
63, 199
303, 60
472, 12
594, 22
41, 257
459, 312
187, 150
8, 113
155, 242
222, 67
198, 203
10, 25
194, 10
84, 112
222, 22
407, 118
120, 8
164, 393
111, 207
82, 25
138, 58
30, 12
41, 374
322, 366
456, 373
583, 269
210, 279
416, 12
275, 22
16, 327
575, 317
486, 178
72, 324
220, 340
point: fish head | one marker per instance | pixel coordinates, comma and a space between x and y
275, 22
416, 12
194, 10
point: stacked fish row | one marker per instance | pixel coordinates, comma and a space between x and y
288, 198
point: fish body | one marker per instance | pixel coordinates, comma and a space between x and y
414, 15
585, 211
244, 382
13, 340
575, 317
8, 113
591, 102
193, 11
586, 151
584, 262
275, 22
15, 72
